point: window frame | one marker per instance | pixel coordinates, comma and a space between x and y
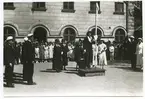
68, 9
94, 11
35, 8
118, 12
8, 7
118, 36
69, 35
7, 33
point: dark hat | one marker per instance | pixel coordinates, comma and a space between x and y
89, 32
57, 41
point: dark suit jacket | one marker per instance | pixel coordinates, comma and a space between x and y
9, 54
87, 45
28, 51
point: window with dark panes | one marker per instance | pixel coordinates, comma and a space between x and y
68, 7
93, 7
40, 6
9, 6
69, 34
119, 8
119, 35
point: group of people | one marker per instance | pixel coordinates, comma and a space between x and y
90, 52
27, 59
135, 51
43, 52
87, 53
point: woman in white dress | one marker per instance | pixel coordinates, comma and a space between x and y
70, 52
46, 50
37, 56
139, 53
95, 53
111, 50
51, 47
102, 54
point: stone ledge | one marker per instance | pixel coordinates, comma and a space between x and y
91, 72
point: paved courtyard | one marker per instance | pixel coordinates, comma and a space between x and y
119, 80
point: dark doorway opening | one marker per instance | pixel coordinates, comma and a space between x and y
9, 31
40, 34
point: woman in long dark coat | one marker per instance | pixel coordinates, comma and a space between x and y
57, 58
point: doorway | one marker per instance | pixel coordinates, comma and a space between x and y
40, 34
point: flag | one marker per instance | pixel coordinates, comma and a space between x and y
97, 6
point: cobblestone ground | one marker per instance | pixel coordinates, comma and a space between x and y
119, 80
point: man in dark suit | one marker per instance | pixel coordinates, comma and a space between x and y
132, 50
65, 49
28, 56
87, 44
9, 60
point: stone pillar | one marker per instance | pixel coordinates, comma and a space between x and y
130, 18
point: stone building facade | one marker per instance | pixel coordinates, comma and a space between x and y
68, 20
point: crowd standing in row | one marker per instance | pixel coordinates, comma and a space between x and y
87, 53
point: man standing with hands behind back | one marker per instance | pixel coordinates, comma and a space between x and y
28, 55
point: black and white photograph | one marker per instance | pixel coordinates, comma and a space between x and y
72, 49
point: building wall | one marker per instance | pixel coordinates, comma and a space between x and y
24, 19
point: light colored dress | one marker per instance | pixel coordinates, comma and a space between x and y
37, 52
139, 54
111, 50
102, 54
70, 52
95, 53
51, 47
46, 52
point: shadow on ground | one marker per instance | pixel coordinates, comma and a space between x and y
17, 79
129, 69
48, 71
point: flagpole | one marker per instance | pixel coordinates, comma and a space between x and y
96, 21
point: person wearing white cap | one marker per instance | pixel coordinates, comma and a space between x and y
25, 39
139, 53
30, 35
28, 56
132, 37
9, 60
9, 38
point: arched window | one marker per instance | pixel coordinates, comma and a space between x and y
9, 31
40, 34
69, 34
99, 33
119, 35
